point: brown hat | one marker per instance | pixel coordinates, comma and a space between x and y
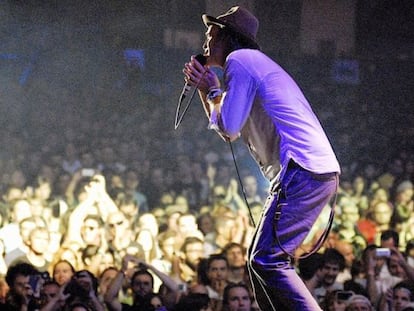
238, 19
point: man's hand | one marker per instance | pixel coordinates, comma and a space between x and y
200, 76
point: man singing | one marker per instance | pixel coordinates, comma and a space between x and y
261, 103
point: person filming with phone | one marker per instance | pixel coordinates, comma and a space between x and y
140, 276
22, 288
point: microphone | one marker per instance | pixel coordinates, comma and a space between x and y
187, 87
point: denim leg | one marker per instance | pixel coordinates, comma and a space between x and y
275, 282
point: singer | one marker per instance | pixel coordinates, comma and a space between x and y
260, 102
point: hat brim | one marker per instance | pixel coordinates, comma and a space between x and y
210, 20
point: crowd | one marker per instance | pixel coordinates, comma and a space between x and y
84, 230
120, 212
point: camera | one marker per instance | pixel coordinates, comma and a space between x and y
343, 295
382, 252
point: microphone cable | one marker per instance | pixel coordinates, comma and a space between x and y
241, 184
325, 233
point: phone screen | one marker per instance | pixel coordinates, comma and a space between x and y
33, 280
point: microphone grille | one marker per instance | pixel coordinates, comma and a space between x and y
201, 59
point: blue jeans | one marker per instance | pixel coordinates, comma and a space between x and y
301, 196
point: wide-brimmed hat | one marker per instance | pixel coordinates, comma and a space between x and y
237, 19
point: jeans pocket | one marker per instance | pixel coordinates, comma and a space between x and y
295, 181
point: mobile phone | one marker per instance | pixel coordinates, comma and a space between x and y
182, 287
33, 281
382, 252
87, 172
343, 295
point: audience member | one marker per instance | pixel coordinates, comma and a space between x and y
403, 209
336, 300
141, 284
48, 293
217, 274
359, 303
119, 234
400, 296
237, 297
38, 243
324, 280
4, 289
251, 189
132, 184
194, 302
347, 250
348, 223
381, 215
21, 294
62, 272
186, 262
83, 288
236, 258
105, 279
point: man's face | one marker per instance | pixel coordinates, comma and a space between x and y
21, 285
235, 257
193, 253
118, 225
90, 232
250, 185
350, 215
395, 267
382, 213
239, 299
187, 224
389, 243
217, 271
26, 228
131, 180
330, 272
49, 291
212, 46
142, 285
401, 298
39, 241
106, 280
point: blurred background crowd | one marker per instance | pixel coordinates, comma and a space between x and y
105, 206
